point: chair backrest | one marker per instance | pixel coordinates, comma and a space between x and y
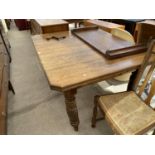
145, 32
123, 34
146, 71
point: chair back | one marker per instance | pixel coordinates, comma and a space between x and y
123, 34
146, 71
145, 32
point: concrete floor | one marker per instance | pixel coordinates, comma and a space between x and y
35, 109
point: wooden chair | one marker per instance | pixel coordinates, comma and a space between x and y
129, 113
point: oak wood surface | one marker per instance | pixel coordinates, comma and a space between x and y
49, 22
69, 63
106, 26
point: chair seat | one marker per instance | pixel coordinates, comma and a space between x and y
127, 113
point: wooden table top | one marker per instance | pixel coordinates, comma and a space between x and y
74, 20
69, 63
152, 22
107, 26
49, 22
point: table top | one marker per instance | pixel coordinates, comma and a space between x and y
49, 22
104, 24
152, 22
69, 63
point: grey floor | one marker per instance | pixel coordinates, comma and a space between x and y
35, 109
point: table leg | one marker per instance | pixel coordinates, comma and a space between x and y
76, 25
72, 108
132, 80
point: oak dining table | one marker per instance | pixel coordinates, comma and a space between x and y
69, 64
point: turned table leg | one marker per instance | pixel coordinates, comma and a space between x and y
72, 108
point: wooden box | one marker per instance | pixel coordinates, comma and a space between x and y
39, 26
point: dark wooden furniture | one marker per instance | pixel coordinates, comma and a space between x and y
39, 26
22, 24
144, 30
106, 26
74, 64
127, 112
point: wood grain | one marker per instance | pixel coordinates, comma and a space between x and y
69, 63
106, 26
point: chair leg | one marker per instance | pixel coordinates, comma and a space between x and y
94, 112
153, 132
11, 87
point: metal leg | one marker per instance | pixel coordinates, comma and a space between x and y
11, 87
72, 108
76, 25
94, 112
